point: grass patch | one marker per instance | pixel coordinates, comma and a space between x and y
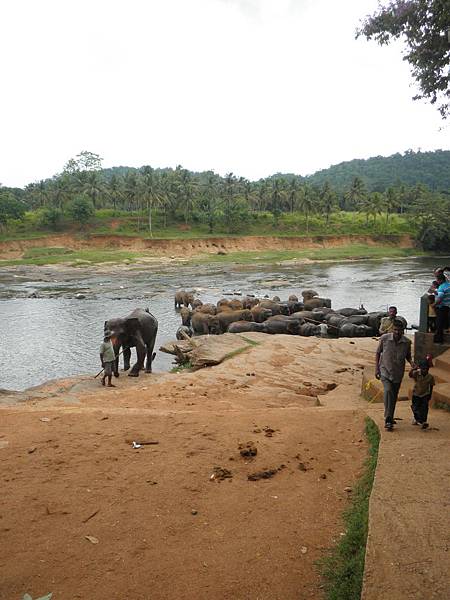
249, 342
41, 256
442, 406
350, 251
342, 569
184, 367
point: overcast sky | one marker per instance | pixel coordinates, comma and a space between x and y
249, 86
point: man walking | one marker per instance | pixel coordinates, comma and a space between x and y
392, 352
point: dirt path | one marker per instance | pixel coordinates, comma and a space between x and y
408, 550
84, 515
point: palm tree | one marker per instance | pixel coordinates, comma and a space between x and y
376, 204
327, 201
93, 185
307, 202
292, 194
357, 193
391, 203
149, 191
115, 189
276, 199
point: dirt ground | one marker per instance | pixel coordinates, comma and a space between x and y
184, 248
84, 515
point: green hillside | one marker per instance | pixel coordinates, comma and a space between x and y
380, 172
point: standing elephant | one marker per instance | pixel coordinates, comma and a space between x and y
227, 317
203, 324
183, 298
136, 330
186, 316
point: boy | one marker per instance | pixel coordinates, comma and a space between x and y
423, 388
107, 356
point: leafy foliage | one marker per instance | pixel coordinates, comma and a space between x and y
423, 25
81, 209
10, 207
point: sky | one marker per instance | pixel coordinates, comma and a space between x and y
252, 87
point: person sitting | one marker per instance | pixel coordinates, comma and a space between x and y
387, 323
442, 307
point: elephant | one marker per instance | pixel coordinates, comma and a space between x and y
221, 303
227, 317
374, 320
358, 319
285, 326
349, 312
352, 330
276, 299
187, 331
305, 314
203, 324
293, 298
260, 313
235, 304
276, 307
249, 302
308, 294
208, 309
319, 315
186, 315
309, 329
317, 302
197, 302
294, 306
183, 298
245, 326
136, 330
335, 321
294, 317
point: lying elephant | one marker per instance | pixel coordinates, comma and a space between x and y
183, 298
245, 326
358, 319
260, 314
308, 329
136, 330
186, 315
293, 298
227, 317
335, 321
183, 331
276, 299
294, 306
352, 330
283, 326
203, 324
349, 312
317, 302
374, 320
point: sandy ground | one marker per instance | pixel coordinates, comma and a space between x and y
84, 515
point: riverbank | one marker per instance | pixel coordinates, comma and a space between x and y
126, 250
192, 504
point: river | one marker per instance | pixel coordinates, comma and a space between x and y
57, 335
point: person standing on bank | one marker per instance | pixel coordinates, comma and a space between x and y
107, 357
392, 352
441, 307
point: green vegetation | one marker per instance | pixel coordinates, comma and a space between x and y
423, 25
342, 569
442, 406
76, 258
377, 196
350, 251
183, 367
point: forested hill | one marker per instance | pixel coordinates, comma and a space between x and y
380, 172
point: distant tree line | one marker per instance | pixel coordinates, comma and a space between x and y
229, 203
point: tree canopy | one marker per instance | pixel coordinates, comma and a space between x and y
424, 27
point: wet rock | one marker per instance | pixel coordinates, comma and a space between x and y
80, 296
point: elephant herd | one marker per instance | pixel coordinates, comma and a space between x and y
312, 315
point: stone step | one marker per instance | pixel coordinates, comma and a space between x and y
441, 394
443, 361
440, 375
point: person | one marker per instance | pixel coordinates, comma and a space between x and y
423, 388
392, 352
434, 284
107, 357
442, 307
387, 323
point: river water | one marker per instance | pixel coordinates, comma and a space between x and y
56, 335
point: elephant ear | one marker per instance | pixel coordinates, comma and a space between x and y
131, 326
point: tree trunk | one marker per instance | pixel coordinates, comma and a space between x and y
149, 208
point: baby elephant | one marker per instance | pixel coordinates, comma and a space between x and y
182, 332
186, 315
288, 326
202, 324
228, 317
183, 298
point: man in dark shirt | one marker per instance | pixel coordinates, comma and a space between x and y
392, 352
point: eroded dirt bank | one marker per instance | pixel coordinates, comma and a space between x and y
165, 528
191, 247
